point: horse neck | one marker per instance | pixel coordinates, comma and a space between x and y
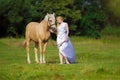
45, 25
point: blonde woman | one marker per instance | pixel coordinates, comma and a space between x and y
65, 47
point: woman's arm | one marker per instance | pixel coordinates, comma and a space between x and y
67, 33
50, 30
67, 29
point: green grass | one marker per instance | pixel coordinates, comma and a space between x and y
95, 60
111, 30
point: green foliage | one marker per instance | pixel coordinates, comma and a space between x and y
112, 9
65, 8
11, 31
114, 6
18, 13
83, 16
111, 31
12, 14
93, 18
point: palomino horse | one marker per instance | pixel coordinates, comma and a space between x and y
39, 33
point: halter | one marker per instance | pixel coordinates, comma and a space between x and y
49, 23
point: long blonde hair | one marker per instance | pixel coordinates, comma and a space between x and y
57, 24
60, 18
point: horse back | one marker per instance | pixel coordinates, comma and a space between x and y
31, 32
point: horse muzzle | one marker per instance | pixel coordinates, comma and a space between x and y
53, 28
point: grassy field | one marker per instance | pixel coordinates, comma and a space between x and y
95, 60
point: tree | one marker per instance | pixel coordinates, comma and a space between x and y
20, 12
85, 17
65, 8
93, 18
12, 17
112, 9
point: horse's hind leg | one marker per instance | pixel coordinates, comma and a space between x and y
44, 50
28, 51
36, 52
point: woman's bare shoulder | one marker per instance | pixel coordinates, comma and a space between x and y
65, 23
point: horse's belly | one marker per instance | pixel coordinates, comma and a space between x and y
34, 39
34, 36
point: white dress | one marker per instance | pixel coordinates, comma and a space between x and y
65, 48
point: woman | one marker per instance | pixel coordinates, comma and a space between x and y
65, 47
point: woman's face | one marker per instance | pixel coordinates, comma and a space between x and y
59, 20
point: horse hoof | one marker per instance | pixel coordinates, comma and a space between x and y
44, 62
28, 62
40, 62
37, 62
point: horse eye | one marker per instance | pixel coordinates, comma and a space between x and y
50, 20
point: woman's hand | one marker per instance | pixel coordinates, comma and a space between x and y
51, 30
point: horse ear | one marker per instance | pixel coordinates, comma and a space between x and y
54, 14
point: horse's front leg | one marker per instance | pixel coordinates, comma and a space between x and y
36, 52
44, 50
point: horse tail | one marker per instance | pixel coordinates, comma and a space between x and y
23, 44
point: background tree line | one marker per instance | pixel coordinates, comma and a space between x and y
85, 17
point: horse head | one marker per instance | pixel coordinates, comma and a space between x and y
51, 20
